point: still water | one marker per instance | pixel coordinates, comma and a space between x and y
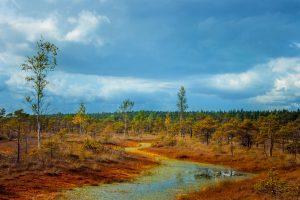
164, 182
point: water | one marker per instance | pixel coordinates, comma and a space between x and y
163, 182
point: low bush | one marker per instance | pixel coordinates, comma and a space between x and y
277, 188
93, 146
62, 134
168, 141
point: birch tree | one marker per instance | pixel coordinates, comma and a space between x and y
182, 106
80, 118
37, 68
124, 108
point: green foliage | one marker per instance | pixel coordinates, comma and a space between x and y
182, 106
272, 185
82, 109
2, 112
37, 68
126, 106
247, 132
139, 122
204, 128
182, 102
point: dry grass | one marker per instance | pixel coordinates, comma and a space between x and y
41, 177
253, 161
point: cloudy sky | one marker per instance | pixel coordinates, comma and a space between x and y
229, 54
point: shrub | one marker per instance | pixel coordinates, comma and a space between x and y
62, 133
93, 146
166, 141
51, 147
272, 185
170, 141
37, 154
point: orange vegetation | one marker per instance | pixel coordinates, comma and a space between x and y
244, 160
45, 180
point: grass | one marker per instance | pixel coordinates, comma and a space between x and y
253, 161
75, 162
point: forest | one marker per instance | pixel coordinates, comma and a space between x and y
245, 128
44, 154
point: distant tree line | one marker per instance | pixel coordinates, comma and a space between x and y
265, 129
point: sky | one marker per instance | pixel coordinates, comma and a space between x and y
228, 54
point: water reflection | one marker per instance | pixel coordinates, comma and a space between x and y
211, 173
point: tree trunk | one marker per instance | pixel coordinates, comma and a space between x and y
295, 147
282, 147
26, 143
271, 147
180, 124
231, 147
207, 139
265, 152
18, 148
270, 134
39, 132
125, 125
80, 128
249, 142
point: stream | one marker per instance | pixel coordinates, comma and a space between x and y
164, 182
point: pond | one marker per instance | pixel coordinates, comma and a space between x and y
164, 182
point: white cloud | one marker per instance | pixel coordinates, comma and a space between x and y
275, 82
104, 87
82, 28
233, 85
17, 83
91, 87
296, 44
8, 59
235, 81
285, 65
285, 88
34, 28
86, 25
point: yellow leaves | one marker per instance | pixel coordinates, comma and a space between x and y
79, 119
168, 121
